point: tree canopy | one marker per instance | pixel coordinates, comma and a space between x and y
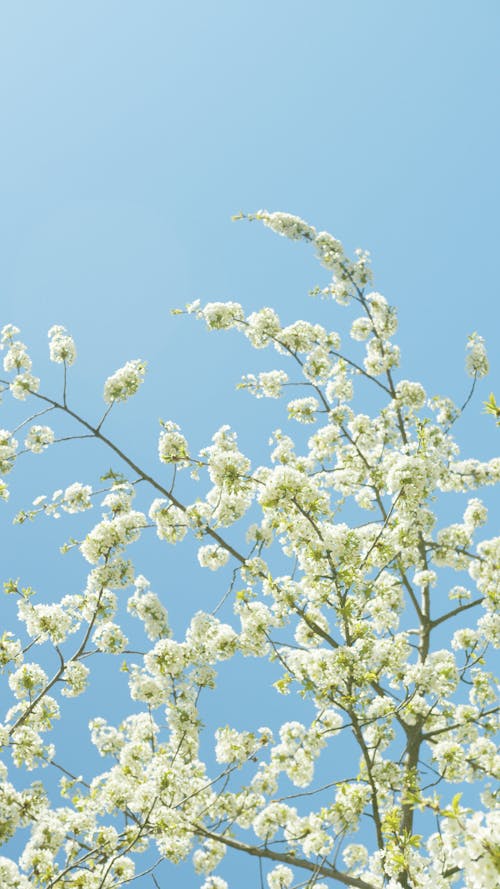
376, 615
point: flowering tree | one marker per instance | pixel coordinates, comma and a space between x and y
344, 581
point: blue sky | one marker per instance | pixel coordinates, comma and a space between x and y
132, 132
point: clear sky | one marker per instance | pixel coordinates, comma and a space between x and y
130, 134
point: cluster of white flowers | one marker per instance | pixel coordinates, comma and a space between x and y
112, 535
297, 751
331, 252
383, 316
364, 629
45, 621
287, 225
350, 802
75, 677
167, 658
17, 359
10, 875
146, 605
214, 883
425, 578
233, 487
238, 747
324, 442
24, 384
171, 523
206, 858
222, 316
347, 275
119, 499
361, 328
107, 739
213, 557
172, 446
281, 877
267, 384
286, 486
475, 515
75, 498
39, 438
301, 337
29, 750
108, 637
210, 640
10, 650
303, 410
446, 410
381, 356
470, 844
61, 345
438, 675
27, 680
256, 621
262, 328
341, 387
124, 382
476, 362
8, 449
410, 394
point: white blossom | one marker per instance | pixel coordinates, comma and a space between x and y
222, 316
75, 676
303, 409
10, 876
214, 883
287, 225
24, 384
45, 621
281, 877
476, 361
171, 522
16, 358
361, 328
213, 557
8, 449
39, 438
267, 384
262, 328
108, 637
172, 445
112, 534
410, 394
124, 382
61, 345
10, 650
27, 680
146, 605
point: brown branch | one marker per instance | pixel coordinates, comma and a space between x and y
259, 852
458, 610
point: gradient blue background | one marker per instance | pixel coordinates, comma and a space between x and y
131, 132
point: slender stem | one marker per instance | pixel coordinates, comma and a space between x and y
265, 852
65, 384
57, 675
358, 734
95, 430
455, 611
34, 416
361, 370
